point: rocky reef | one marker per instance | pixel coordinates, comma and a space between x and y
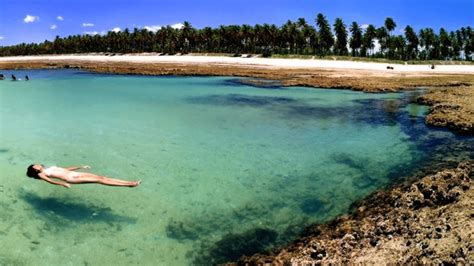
451, 107
429, 220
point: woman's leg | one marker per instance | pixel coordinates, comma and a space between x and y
93, 178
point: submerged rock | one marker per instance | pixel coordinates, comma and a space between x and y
232, 246
312, 206
256, 82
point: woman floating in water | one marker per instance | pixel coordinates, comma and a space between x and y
69, 176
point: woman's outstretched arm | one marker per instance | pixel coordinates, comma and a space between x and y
72, 168
49, 180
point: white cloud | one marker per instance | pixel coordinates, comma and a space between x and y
364, 26
177, 26
60, 18
53, 27
153, 28
91, 32
87, 24
30, 19
100, 32
117, 29
1, 37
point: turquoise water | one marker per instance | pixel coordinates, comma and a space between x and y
227, 169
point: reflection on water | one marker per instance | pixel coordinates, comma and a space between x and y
228, 169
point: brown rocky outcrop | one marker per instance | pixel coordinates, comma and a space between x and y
452, 108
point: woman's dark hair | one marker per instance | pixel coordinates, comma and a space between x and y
32, 172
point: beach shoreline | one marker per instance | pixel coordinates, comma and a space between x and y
271, 63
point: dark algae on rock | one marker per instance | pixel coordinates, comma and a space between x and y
428, 221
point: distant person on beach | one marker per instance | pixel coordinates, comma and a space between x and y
68, 176
27, 78
13, 77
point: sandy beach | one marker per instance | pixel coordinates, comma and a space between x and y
272, 63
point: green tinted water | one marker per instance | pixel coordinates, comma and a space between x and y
227, 169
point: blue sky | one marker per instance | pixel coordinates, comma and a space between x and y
79, 16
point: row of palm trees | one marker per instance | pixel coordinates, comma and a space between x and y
293, 37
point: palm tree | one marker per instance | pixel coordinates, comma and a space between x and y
390, 24
455, 46
383, 38
356, 40
469, 43
303, 39
289, 36
428, 42
267, 39
368, 39
445, 44
413, 42
398, 48
326, 39
386, 37
247, 37
272, 33
340, 48
186, 37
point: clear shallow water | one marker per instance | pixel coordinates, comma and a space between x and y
227, 169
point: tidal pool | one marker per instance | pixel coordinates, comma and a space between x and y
227, 169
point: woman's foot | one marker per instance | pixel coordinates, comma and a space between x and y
136, 183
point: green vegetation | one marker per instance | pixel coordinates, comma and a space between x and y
291, 39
